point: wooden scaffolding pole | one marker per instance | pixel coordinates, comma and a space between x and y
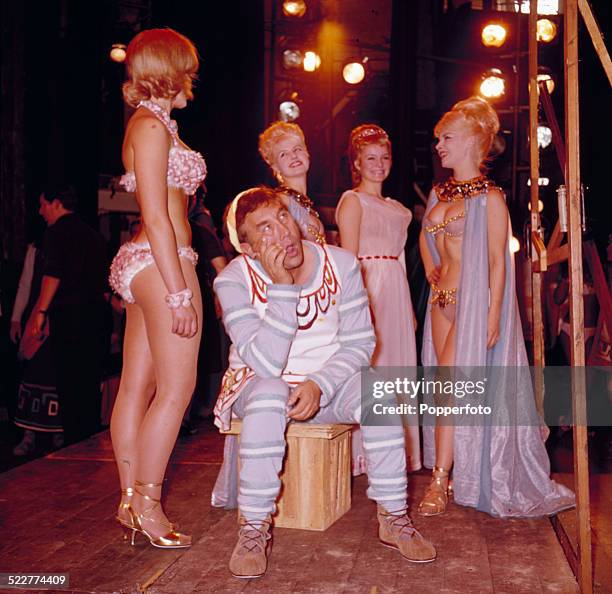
538, 249
596, 37
574, 237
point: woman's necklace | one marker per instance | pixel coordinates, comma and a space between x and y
300, 198
454, 191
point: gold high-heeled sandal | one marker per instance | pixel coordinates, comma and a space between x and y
436, 497
124, 517
172, 539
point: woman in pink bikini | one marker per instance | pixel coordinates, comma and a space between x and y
155, 275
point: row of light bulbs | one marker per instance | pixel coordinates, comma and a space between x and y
353, 72
493, 84
495, 34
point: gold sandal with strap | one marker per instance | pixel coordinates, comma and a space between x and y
172, 539
436, 497
124, 515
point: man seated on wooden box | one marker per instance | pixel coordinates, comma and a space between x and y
298, 317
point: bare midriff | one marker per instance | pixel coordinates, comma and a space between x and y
177, 211
449, 248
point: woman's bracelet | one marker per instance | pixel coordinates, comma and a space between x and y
182, 298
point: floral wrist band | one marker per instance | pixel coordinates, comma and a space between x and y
182, 298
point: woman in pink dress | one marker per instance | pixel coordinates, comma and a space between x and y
375, 229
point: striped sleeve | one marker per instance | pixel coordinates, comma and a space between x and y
263, 344
356, 335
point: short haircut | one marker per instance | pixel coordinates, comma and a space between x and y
250, 201
160, 63
65, 193
271, 135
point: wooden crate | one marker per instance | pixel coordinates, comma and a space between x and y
316, 475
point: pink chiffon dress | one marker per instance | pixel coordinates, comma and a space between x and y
382, 237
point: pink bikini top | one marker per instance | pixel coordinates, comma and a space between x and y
186, 168
453, 226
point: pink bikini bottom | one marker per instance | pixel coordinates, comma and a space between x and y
131, 259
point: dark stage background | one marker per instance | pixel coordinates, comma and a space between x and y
62, 114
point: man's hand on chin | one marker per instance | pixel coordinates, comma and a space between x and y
272, 259
304, 401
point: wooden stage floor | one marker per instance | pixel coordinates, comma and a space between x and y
57, 516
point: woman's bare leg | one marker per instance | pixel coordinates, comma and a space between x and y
136, 389
175, 364
435, 499
443, 332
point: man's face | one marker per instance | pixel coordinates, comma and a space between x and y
272, 224
47, 210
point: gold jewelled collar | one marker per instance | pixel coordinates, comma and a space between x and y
453, 191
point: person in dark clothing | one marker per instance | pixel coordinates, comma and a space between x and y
212, 357
72, 301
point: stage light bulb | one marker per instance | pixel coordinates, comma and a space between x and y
311, 62
515, 246
548, 79
288, 111
542, 181
494, 35
493, 85
544, 6
294, 8
292, 58
546, 30
117, 53
540, 206
544, 136
353, 73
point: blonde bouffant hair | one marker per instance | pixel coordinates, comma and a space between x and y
481, 121
160, 63
271, 135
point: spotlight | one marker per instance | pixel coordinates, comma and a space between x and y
294, 8
515, 246
540, 206
544, 136
494, 35
117, 53
544, 75
493, 85
354, 72
288, 111
546, 30
312, 61
292, 58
